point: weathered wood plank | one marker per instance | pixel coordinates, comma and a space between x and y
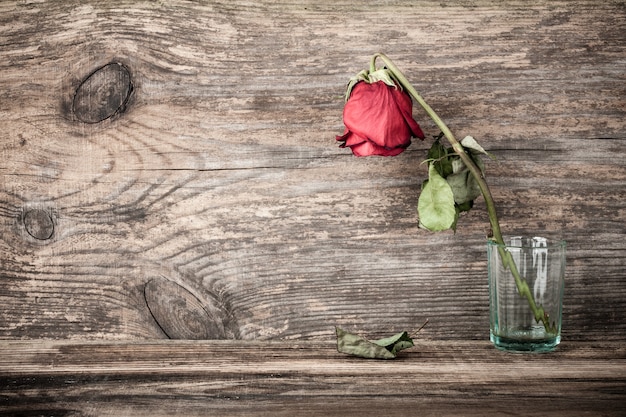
218, 182
285, 379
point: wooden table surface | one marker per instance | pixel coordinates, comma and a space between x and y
294, 378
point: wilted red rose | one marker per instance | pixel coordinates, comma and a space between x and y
378, 120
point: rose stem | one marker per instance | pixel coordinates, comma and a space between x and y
522, 286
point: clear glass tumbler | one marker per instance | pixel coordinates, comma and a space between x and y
526, 281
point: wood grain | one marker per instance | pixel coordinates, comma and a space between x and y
211, 200
307, 379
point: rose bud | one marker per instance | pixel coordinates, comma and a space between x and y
378, 119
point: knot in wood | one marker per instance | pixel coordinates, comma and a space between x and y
181, 315
39, 224
104, 93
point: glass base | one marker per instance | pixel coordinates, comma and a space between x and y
522, 344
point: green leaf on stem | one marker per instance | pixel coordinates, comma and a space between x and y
470, 143
467, 206
440, 157
386, 348
435, 206
463, 184
464, 187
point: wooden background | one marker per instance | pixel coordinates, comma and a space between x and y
169, 169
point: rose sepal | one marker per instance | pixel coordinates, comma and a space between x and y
370, 77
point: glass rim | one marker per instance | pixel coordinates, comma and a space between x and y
526, 239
